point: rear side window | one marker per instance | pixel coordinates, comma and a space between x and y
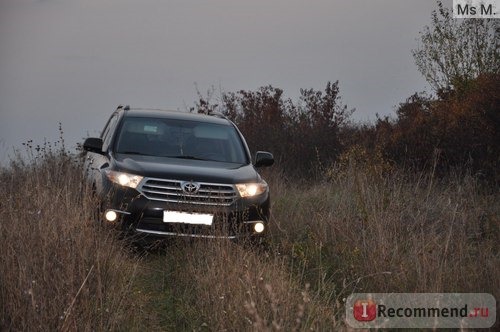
180, 138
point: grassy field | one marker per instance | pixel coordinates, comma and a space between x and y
357, 232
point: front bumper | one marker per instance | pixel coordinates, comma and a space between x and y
140, 215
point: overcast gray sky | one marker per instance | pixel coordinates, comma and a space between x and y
74, 61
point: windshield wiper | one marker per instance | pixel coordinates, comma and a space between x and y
135, 152
190, 157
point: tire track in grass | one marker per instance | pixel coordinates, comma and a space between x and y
155, 293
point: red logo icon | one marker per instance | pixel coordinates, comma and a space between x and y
365, 310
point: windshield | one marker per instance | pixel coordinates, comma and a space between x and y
180, 139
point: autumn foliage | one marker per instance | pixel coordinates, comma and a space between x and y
459, 128
456, 129
301, 135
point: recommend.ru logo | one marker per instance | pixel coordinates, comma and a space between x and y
420, 310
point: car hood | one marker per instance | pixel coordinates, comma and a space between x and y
186, 169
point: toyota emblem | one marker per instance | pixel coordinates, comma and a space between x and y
190, 187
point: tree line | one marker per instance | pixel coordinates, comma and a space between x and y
455, 126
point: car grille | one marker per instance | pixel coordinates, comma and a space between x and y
171, 191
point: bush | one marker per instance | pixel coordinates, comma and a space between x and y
461, 128
301, 135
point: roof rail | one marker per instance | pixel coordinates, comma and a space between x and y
218, 114
126, 107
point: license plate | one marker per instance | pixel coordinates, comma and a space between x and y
187, 218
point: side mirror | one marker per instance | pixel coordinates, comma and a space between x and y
263, 159
93, 144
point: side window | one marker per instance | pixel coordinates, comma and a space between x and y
108, 131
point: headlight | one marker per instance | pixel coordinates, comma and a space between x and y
251, 189
124, 179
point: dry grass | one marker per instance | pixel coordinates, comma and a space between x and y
399, 233
228, 286
59, 271
361, 232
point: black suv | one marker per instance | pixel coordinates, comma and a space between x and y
170, 173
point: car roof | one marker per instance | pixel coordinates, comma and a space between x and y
177, 115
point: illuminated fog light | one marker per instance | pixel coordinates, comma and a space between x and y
258, 227
111, 215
